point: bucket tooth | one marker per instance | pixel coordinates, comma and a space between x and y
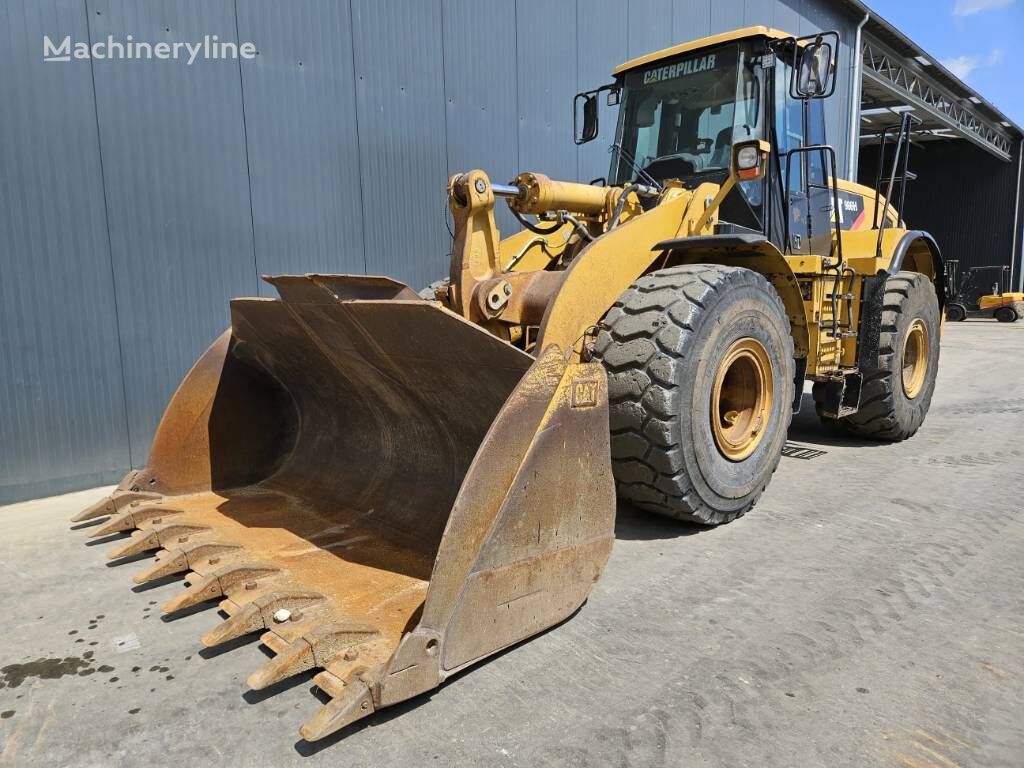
354, 703
333, 640
113, 503
167, 563
317, 648
154, 538
248, 619
180, 559
290, 660
219, 583
263, 613
101, 508
133, 517
140, 541
120, 521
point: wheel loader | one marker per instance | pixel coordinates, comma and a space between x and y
387, 488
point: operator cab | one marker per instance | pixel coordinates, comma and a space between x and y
679, 116
683, 109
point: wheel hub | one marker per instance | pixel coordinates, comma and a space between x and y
915, 358
741, 400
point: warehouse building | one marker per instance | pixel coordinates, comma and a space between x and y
138, 196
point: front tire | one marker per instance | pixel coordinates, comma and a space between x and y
897, 391
700, 381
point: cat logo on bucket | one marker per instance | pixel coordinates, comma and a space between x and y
584, 394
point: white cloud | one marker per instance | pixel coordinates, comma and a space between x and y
970, 7
961, 66
964, 66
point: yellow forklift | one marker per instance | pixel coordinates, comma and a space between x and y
983, 292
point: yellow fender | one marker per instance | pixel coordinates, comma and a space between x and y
609, 265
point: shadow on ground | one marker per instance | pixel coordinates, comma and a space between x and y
807, 428
640, 525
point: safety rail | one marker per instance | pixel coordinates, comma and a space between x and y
838, 330
900, 161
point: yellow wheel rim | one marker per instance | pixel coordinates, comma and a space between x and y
741, 401
915, 358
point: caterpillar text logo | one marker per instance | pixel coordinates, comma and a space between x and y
683, 68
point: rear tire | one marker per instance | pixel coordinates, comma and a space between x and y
955, 313
683, 347
1006, 315
897, 392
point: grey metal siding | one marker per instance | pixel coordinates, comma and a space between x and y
649, 26
137, 197
601, 45
298, 93
545, 82
691, 19
481, 101
177, 190
402, 141
724, 14
62, 417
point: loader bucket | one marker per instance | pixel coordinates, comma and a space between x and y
385, 491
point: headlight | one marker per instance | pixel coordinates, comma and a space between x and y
747, 158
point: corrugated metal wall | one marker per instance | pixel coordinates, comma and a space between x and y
137, 197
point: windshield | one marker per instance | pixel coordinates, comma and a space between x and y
680, 116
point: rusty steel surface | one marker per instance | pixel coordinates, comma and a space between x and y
382, 490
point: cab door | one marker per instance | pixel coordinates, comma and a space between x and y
800, 123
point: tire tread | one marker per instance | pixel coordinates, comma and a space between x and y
648, 466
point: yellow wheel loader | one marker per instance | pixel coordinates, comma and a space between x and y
387, 488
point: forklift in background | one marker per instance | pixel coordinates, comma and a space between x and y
982, 292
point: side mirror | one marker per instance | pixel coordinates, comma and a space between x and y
584, 129
814, 68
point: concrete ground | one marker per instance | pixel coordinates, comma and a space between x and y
869, 612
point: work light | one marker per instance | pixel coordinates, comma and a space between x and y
748, 160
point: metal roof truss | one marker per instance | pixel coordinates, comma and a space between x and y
944, 115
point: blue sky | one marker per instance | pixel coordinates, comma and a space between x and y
979, 40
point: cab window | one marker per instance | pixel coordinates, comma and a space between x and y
789, 123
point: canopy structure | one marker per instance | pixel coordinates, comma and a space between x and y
899, 76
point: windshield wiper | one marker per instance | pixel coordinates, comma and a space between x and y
641, 174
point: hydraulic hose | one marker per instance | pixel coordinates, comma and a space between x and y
533, 227
641, 190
